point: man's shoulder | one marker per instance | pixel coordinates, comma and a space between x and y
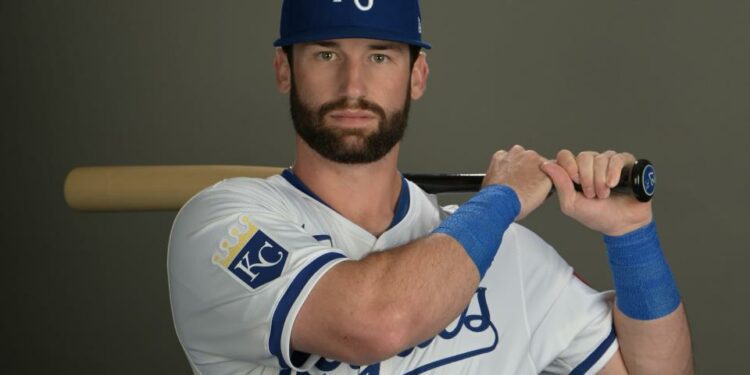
234, 195
241, 190
244, 185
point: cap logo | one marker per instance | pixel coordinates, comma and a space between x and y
359, 5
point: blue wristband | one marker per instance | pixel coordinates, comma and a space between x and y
478, 225
643, 282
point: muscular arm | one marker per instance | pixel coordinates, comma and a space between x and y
369, 310
649, 346
660, 346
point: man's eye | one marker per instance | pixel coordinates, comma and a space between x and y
326, 55
379, 59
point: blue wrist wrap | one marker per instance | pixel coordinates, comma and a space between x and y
478, 225
643, 282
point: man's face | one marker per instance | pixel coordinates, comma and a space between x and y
350, 98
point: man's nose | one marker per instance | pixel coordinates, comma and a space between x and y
353, 82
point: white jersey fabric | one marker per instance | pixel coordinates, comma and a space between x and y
245, 253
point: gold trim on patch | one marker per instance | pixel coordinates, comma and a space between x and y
240, 238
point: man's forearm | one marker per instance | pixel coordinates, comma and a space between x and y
387, 301
394, 299
659, 346
649, 316
427, 283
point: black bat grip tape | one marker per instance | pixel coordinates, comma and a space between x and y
638, 179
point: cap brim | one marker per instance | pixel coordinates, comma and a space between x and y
347, 33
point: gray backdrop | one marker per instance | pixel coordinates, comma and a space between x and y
190, 82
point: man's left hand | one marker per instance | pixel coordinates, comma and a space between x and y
596, 207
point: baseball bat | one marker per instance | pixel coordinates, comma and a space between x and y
159, 188
638, 179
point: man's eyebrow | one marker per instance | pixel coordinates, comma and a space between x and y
376, 46
385, 46
325, 43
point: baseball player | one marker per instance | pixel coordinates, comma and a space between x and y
342, 266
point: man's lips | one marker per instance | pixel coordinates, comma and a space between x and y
353, 118
353, 115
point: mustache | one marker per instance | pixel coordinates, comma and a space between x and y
345, 103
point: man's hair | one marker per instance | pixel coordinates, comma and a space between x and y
414, 52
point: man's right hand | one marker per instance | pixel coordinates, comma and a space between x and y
521, 170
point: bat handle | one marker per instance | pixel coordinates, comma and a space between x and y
638, 180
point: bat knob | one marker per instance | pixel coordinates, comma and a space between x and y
643, 180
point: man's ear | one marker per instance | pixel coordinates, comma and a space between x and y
419, 74
283, 71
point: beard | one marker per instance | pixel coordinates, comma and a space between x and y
348, 146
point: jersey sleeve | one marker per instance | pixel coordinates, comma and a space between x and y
240, 268
571, 324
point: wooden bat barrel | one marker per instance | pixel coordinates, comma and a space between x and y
147, 188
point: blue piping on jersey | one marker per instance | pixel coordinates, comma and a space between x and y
323, 237
402, 206
296, 182
287, 300
595, 355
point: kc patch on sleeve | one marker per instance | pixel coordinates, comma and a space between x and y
250, 255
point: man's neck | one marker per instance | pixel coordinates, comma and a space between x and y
366, 194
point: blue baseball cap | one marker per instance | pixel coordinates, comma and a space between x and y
315, 20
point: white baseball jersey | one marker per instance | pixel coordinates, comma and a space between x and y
245, 253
